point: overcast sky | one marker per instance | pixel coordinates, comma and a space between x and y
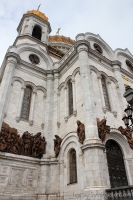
111, 19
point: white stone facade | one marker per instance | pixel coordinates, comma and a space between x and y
27, 178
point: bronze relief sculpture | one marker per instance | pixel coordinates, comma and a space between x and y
81, 132
57, 143
27, 145
128, 133
103, 129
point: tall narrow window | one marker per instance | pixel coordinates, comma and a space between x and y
70, 97
106, 99
26, 103
73, 166
116, 167
37, 32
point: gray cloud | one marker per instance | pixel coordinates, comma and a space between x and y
111, 19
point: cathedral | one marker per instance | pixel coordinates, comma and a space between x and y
61, 107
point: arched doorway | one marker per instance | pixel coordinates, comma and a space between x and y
116, 167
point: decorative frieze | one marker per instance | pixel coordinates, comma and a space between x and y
28, 145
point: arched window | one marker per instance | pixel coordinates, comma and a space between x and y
70, 97
105, 93
73, 166
37, 32
26, 103
116, 167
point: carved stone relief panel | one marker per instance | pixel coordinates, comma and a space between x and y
4, 170
3, 180
17, 177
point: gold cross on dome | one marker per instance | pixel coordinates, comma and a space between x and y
126, 79
58, 31
38, 7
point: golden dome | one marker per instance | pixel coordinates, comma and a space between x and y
38, 13
61, 38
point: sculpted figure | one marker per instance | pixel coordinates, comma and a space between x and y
39, 144
103, 129
36, 145
3, 144
57, 143
13, 141
42, 149
128, 133
27, 141
81, 131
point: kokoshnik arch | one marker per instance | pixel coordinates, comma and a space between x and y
61, 104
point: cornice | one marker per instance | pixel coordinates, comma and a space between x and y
67, 60
26, 160
33, 67
81, 42
127, 73
31, 38
116, 62
101, 57
12, 54
55, 51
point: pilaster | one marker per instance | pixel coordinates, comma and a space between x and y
32, 108
6, 85
112, 104
48, 128
101, 92
56, 104
20, 104
121, 87
66, 104
74, 98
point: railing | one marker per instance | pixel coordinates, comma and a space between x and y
120, 193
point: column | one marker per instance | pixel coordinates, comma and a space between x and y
101, 93
87, 94
121, 90
6, 85
74, 98
32, 108
20, 104
112, 104
96, 172
66, 104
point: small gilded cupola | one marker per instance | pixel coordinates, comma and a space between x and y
36, 25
